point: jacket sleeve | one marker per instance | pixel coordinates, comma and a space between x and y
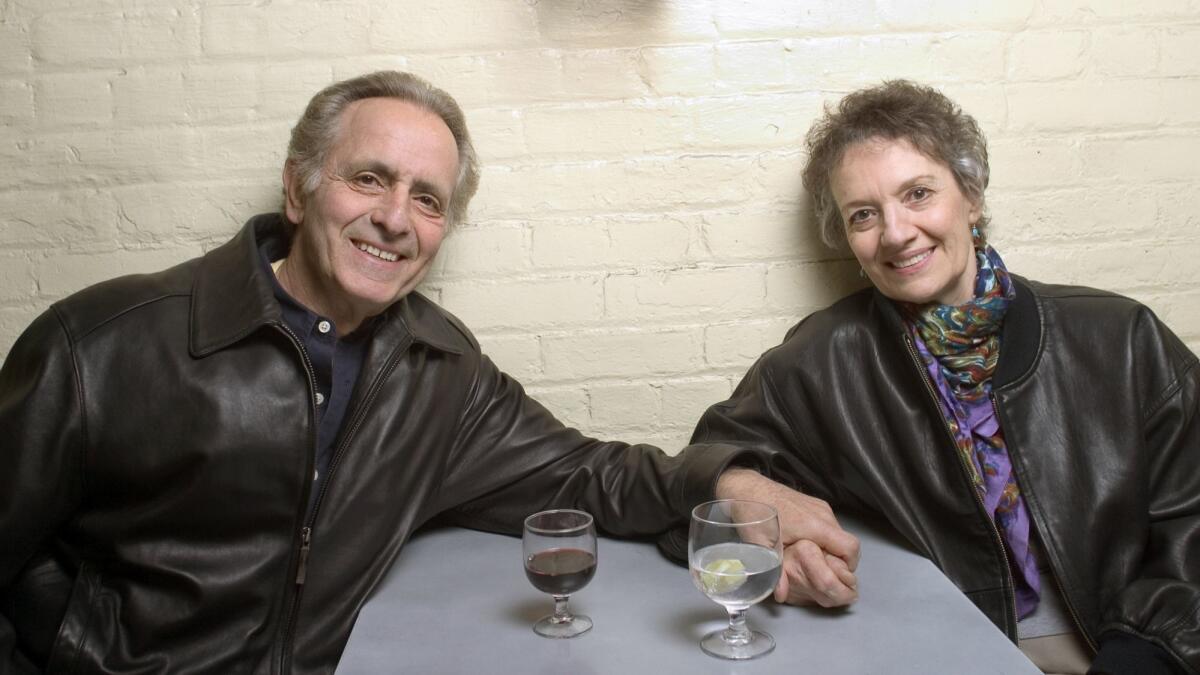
760, 419
40, 442
513, 458
1162, 606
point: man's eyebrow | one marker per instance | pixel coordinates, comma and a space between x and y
376, 167
422, 185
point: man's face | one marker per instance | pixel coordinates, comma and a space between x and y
370, 230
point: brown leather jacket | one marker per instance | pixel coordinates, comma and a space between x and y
157, 437
1100, 407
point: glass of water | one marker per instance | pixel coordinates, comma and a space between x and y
735, 553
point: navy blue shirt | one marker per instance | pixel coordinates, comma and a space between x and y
336, 363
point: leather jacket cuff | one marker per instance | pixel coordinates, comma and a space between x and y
705, 464
673, 544
714, 461
1125, 654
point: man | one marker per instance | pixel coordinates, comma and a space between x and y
209, 468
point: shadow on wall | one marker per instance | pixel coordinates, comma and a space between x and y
846, 279
567, 19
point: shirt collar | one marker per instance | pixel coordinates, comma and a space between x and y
233, 296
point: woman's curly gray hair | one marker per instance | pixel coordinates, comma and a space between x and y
317, 129
894, 110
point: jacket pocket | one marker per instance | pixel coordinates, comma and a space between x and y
73, 630
34, 604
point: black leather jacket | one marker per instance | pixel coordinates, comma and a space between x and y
157, 437
1100, 407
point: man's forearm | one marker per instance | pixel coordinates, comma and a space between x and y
820, 556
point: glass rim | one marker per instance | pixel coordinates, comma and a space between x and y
772, 512
589, 520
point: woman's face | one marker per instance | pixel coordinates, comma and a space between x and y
907, 221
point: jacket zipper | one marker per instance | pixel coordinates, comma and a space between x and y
1009, 592
1053, 572
306, 531
305, 544
360, 415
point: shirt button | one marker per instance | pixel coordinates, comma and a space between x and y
316, 474
324, 326
320, 398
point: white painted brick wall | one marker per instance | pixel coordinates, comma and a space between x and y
639, 236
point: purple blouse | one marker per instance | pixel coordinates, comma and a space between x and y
978, 418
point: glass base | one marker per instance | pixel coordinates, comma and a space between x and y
576, 625
758, 644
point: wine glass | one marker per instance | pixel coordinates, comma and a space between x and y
560, 558
735, 553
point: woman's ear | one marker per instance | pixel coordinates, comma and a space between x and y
976, 211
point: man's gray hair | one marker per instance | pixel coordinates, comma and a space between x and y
894, 110
317, 129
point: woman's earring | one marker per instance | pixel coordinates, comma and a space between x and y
862, 274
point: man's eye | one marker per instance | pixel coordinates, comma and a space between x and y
918, 193
367, 180
430, 203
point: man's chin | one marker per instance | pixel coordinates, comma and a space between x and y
371, 306
363, 289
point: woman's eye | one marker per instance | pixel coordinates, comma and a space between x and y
919, 193
859, 217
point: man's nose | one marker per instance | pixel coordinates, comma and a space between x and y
392, 214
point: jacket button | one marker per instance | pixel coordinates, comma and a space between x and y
320, 398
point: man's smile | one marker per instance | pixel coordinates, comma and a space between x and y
389, 256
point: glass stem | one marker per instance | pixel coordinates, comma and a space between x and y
737, 633
561, 615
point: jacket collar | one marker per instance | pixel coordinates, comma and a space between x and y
232, 298
1020, 338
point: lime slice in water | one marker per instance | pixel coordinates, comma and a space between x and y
723, 575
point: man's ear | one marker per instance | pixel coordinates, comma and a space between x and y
293, 193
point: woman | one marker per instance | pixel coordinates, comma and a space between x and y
1039, 443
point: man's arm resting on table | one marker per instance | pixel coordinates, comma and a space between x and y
819, 557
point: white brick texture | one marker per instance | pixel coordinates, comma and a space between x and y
640, 235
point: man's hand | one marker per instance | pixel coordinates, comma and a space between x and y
819, 556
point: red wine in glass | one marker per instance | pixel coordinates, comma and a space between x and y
560, 571
560, 558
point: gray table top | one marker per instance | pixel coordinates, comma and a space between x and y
457, 601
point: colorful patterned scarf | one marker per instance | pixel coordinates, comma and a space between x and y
960, 345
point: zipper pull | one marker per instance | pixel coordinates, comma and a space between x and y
305, 543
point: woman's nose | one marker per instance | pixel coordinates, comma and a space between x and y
898, 227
